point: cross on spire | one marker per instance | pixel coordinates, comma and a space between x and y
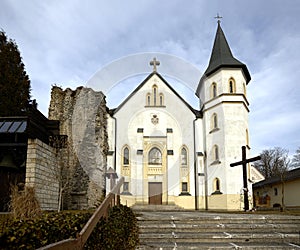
244, 162
154, 63
219, 18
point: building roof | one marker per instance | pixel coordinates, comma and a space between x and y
33, 124
13, 126
196, 112
221, 57
290, 175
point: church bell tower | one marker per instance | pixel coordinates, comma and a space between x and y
223, 102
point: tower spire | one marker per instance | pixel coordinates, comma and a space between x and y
221, 57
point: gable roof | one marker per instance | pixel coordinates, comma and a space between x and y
290, 175
221, 57
114, 111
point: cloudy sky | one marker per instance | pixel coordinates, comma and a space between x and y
67, 42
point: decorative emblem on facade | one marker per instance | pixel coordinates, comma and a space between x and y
154, 119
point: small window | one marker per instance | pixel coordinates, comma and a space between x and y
216, 153
184, 187
148, 99
126, 156
161, 100
154, 156
154, 94
217, 185
214, 121
231, 86
214, 90
126, 187
275, 191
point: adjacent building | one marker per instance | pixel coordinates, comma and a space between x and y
278, 191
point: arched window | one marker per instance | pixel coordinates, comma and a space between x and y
154, 94
214, 121
217, 185
126, 156
161, 99
231, 86
184, 161
214, 90
148, 99
216, 153
154, 156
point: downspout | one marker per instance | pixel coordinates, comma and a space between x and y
195, 166
205, 168
115, 146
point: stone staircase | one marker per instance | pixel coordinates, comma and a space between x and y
175, 229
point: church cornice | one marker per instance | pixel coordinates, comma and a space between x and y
223, 102
216, 99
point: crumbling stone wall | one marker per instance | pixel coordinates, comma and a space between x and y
82, 114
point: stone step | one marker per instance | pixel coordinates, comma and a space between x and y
285, 230
196, 230
210, 224
205, 246
223, 220
220, 237
168, 208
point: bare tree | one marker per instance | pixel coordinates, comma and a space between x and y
296, 159
275, 162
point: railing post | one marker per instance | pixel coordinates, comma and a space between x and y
101, 211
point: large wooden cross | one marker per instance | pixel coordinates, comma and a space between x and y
154, 63
244, 162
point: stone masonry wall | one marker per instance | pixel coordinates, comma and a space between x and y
82, 115
41, 173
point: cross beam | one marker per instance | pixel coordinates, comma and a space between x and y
219, 18
154, 63
244, 162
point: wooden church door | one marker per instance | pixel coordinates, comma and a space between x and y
155, 193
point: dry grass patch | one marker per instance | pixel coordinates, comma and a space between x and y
24, 204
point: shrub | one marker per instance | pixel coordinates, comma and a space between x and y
119, 231
41, 231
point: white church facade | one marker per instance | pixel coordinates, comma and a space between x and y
170, 153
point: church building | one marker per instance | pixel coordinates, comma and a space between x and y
171, 153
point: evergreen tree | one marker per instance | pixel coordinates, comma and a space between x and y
14, 82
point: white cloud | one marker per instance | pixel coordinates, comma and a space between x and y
66, 42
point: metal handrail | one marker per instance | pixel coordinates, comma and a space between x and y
101, 211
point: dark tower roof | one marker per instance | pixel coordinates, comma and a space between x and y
221, 57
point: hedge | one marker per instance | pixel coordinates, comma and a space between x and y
119, 231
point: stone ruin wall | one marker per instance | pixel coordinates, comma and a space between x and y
83, 118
